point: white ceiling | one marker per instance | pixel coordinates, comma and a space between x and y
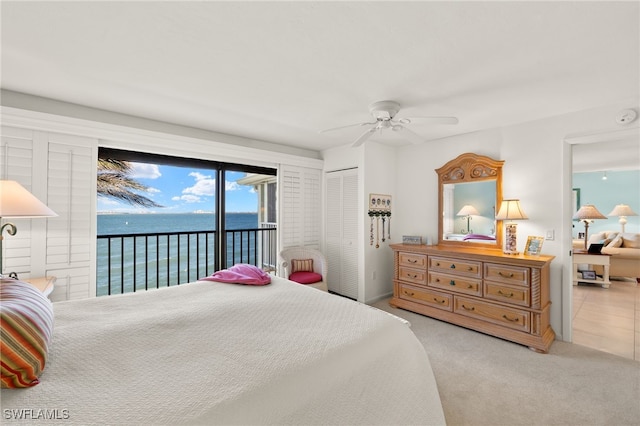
282, 71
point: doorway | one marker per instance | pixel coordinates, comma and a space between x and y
606, 319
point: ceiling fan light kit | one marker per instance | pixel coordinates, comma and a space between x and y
384, 113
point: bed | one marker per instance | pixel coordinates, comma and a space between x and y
217, 353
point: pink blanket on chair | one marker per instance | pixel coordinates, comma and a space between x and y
241, 273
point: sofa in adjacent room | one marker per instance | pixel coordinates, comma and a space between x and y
624, 249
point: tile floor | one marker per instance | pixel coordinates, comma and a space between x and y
608, 319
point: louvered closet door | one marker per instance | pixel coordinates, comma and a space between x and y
70, 246
342, 231
299, 215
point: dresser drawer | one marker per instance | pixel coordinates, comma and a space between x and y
454, 266
416, 276
506, 274
508, 294
508, 317
412, 260
455, 283
426, 297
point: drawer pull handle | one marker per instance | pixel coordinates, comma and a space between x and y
509, 275
470, 268
414, 276
469, 309
442, 302
409, 293
437, 280
412, 260
452, 282
505, 294
509, 319
437, 263
469, 286
453, 266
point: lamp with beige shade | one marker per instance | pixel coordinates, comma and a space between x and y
468, 210
510, 211
622, 211
586, 214
17, 202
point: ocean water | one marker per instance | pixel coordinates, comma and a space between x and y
110, 224
140, 262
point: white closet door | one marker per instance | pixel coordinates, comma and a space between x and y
299, 216
341, 236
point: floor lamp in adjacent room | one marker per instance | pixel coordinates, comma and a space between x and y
16, 202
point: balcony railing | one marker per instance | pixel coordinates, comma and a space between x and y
131, 262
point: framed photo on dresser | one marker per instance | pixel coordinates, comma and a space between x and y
533, 246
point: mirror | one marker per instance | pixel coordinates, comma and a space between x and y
469, 191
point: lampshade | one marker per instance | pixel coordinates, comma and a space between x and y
588, 211
17, 202
468, 210
511, 210
622, 210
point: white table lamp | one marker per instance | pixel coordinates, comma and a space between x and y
622, 211
511, 211
586, 214
17, 202
467, 211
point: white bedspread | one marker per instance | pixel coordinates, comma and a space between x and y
213, 353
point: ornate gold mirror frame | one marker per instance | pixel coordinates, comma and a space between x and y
468, 169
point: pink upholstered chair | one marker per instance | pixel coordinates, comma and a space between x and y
295, 266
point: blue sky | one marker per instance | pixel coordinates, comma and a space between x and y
183, 190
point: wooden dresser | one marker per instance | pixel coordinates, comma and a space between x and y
506, 296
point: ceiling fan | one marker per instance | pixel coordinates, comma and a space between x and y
384, 112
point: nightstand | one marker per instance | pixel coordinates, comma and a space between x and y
44, 284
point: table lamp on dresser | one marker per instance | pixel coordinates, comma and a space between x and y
16, 202
510, 211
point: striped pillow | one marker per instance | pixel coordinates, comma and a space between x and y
26, 325
301, 265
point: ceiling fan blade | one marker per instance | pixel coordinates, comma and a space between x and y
346, 127
409, 134
363, 137
431, 120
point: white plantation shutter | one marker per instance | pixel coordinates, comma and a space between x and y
342, 231
16, 163
70, 246
60, 170
299, 221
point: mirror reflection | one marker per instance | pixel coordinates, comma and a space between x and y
469, 190
469, 211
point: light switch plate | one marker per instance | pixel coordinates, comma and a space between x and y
550, 235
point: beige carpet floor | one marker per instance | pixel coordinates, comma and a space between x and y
484, 380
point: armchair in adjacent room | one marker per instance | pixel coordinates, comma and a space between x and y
305, 265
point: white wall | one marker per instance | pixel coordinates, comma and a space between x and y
534, 171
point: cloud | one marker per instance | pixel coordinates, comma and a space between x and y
153, 190
205, 185
232, 186
187, 198
145, 171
